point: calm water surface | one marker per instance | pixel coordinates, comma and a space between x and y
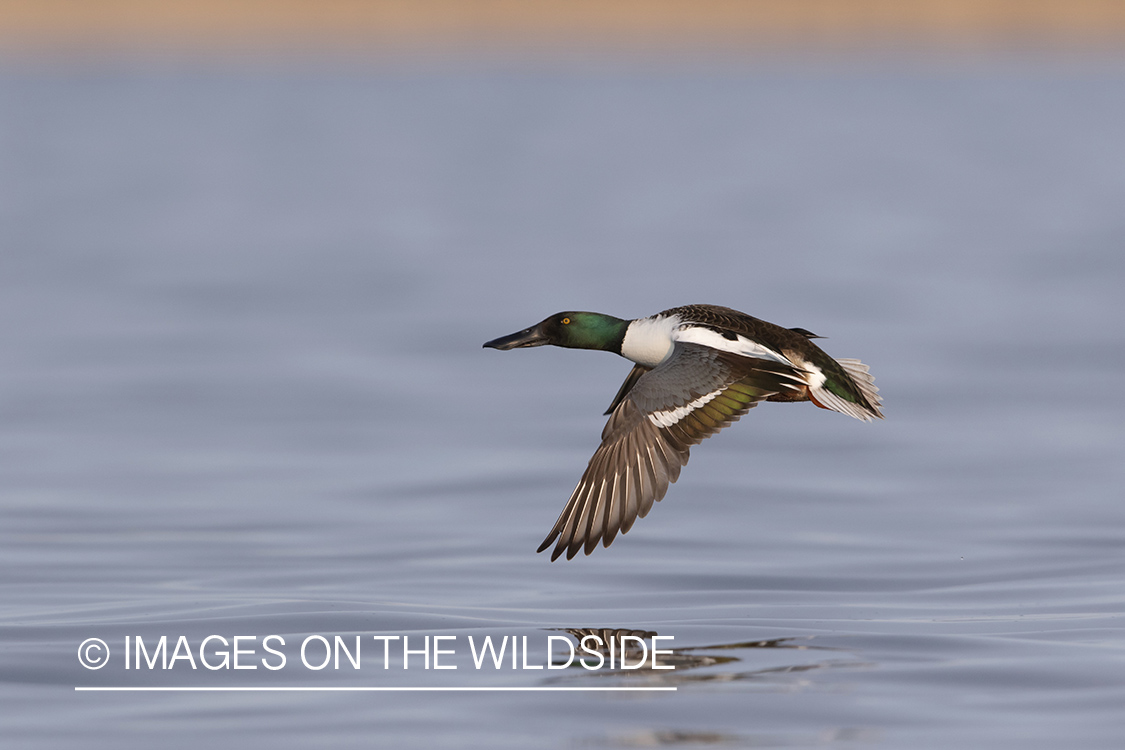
242, 392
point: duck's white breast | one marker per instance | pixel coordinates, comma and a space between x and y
648, 341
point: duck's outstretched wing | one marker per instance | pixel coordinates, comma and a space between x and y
692, 395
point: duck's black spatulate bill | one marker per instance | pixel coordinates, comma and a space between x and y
521, 339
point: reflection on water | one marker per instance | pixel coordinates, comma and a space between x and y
673, 738
632, 648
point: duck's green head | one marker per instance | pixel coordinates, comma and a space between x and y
574, 330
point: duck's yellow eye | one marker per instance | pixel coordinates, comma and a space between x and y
566, 321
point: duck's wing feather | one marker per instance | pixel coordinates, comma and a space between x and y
692, 395
630, 381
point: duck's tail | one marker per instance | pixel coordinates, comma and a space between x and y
861, 402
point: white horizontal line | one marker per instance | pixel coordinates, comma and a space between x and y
290, 689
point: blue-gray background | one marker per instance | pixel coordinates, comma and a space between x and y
242, 392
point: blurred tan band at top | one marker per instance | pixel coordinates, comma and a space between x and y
48, 25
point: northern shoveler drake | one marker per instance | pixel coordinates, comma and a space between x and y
696, 369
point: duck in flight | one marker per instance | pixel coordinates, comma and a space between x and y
696, 369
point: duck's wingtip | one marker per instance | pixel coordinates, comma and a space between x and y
555, 553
